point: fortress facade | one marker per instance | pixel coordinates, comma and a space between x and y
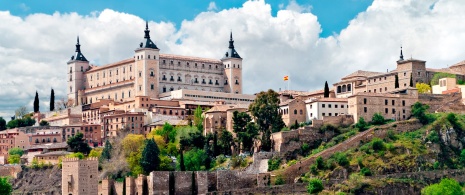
149, 73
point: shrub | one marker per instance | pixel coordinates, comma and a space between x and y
419, 112
436, 165
377, 119
378, 144
238, 161
330, 164
320, 163
391, 135
361, 124
304, 149
313, 169
220, 159
314, 186
329, 127
279, 180
462, 158
365, 171
360, 162
341, 159
273, 163
446, 186
433, 137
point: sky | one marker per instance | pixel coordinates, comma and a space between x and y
311, 41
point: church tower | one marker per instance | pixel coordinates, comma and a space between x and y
77, 65
232, 69
146, 59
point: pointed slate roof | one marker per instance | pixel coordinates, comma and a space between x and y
231, 52
148, 42
79, 56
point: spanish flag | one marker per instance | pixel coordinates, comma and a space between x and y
286, 78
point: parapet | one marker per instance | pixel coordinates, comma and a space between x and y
77, 159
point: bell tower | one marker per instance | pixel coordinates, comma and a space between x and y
146, 59
77, 65
232, 63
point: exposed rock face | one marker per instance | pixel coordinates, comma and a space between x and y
44, 181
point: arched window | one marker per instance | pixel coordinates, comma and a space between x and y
295, 111
344, 88
338, 89
301, 112
349, 87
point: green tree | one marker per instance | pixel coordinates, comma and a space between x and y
150, 157
419, 112
52, 100
315, 186
44, 123
16, 151
246, 130
198, 118
326, 91
168, 132
106, 152
182, 165
445, 187
361, 124
440, 75
411, 80
462, 158
396, 82
377, 119
76, 155
96, 152
265, 111
78, 144
2, 124
195, 159
215, 148
36, 103
165, 163
226, 141
14, 159
5, 186
423, 88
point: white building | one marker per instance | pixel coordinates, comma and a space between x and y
318, 108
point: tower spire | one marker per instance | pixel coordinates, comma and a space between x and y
78, 46
231, 41
401, 55
231, 52
147, 31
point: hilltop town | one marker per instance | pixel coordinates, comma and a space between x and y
161, 123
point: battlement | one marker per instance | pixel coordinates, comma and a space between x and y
77, 159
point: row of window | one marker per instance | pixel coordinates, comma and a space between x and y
393, 102
286, 111
329, 106
221, 98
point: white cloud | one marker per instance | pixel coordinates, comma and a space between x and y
34, 50
294, 6
212, 6
24, 7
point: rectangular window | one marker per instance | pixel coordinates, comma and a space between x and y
386, 110
323, 105
386, 102
329, 114
393, 111
335, 106
393, 102
365, 109
329, 106
323, 114
403, 102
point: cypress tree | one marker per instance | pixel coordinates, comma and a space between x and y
215, 144
106, 152
150, 160
411, 80
36, 103
396, 83
181, 161
326, 93
52, 100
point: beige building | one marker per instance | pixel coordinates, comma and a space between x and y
395, 105
292, 110
79, 176
448, 85
149, 73
221, 117
319, 108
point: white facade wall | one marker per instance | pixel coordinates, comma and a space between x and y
316, 109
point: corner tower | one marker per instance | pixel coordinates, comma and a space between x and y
77, 65
146, 60
232, 69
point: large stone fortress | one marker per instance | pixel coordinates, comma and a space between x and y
149, 73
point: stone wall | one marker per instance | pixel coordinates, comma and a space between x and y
441, 101
10, 170
340, 120
303, 166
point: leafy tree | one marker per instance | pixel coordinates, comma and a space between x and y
445, 187
265, 111
419, 112
44, 123
78, 144
2, 124
396, 82
245, 130
440, 75
52, 100
198, 118
411, 80
378, 144
181, 161
5, 186
168, 132
165, 163
20, 112
106, 152
36, 103
320, 163
315, 186
423, 88
16, 151
76, 155
273, 163
150, 157
96, 152
132, 146
195, 159
361, 124
14, 159
341, 158
194, 139
21, 122
377, 119
326, 91
226, 142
